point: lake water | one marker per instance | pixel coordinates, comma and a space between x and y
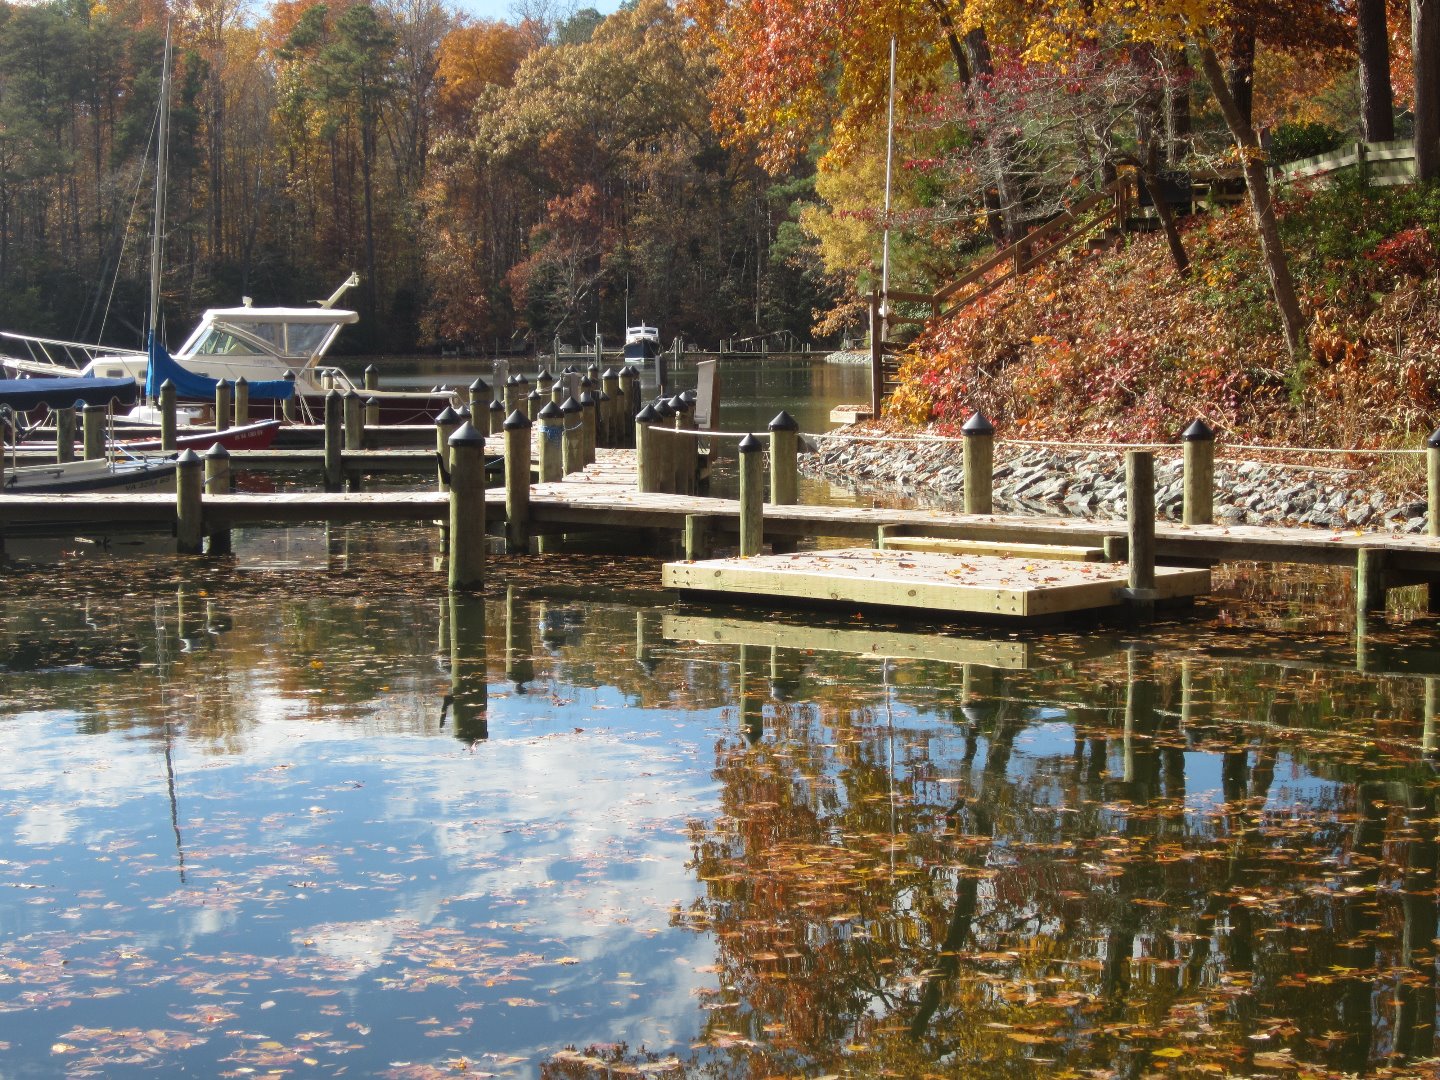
302, 814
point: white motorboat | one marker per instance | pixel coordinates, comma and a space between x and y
642, 344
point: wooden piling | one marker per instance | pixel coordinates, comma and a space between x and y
515, 398
1140, 523
1199, 481
223, 399
242, 401
646, 460
610, 410
1432, 475
372, 415
371, 378
189, 503
571, 446
978, 463
467, 509
534, 402
545, 382
446, 424
1370, 582
217, 482
354, 413
784, 460
290, 406
630, 386
699, 536
752, 495
685, 449
334, 441
663, 450
92, 422
64, 435
517, 483
168, 418
496, 410
589, 426
478, 397
552, 437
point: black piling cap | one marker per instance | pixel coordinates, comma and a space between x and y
592, 366
372, 401
289, 376
628, 372
521, 380
689, 395
588, 400
447, 416
510, 380
544, 374
750, 444
535, 395
602, 396
647, 415
784, 422
188, 458
496, 405
585, 383
978, 424
217, 451
467, 435
479, 386
551, 411
516, 420
1434, 441
663, 409
679, 404
571, 405
609, 373
1199, 431
463, 412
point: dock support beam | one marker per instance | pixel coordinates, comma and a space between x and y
1140, 521
222, 404
1199, 506
64, 435
167, 417
978, 462
189, 497
517, 483
217, 482
1369, 581
752, 496
334, 441
467, 509
93, 431
699, 537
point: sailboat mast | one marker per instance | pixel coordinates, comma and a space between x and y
889, 159
162, 151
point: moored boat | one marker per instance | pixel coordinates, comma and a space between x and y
642, 344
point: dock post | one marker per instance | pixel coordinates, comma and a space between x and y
92, 420
242, 401
1199, 508
686, 449
467, 509
167, 416
630, 387
334, 441
1140, 522
372, 416
1432, 474
515, 395
610, 408
517, 483
1369, 581
446, 424
571, 445
590, 426
371, 378
290, 406
552, 436
223, 397
784, 460
534, 402
354, 420
979, 464
645, 447
496, 409
544, 381
64, 435
663, 448
699, 537
189, 509
478, 397
752, 495
217, 482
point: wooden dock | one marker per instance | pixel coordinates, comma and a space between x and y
934, 582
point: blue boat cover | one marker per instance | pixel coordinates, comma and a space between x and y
22, 395
191, 386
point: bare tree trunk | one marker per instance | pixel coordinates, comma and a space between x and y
1425, 39
1257, 183
1240, 78
1377, 109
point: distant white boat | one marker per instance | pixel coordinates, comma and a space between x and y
642, 344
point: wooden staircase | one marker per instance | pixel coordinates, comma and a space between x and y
1099, 217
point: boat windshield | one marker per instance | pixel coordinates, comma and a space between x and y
295, 340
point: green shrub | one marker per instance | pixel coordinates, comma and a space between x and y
1291, 142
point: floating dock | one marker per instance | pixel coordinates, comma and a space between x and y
940, 583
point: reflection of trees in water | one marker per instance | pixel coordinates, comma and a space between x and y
1221, 865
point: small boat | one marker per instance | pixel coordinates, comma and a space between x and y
642, 344
108, 474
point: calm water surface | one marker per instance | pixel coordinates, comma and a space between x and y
301, 814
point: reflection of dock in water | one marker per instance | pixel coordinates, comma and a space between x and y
1001, 651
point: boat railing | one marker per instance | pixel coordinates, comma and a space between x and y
46, 355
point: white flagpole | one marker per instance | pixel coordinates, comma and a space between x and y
889, 162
